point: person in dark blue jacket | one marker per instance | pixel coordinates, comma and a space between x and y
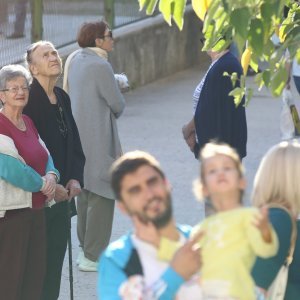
130, 268
215, 115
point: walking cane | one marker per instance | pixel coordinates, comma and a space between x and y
70, 251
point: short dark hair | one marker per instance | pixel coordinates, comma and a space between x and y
89, 32
129, 163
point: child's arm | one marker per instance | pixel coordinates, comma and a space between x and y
261, 234
261, 221
167, 248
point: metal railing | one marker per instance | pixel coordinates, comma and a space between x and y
25, 21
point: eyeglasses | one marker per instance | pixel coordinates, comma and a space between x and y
14, 90
109, 35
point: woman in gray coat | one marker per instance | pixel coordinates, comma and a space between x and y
96, 104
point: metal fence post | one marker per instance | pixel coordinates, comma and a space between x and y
109, 12
36, 20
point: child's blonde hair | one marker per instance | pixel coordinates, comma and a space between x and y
212, 149
277, 178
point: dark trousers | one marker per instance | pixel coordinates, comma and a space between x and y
22, 254
297, 83
57, 235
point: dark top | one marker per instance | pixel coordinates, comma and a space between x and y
58, 130
265, 270
28, 146
216, 116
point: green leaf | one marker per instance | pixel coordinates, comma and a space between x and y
267, 11
278, 80
269, 48
256, 36
259, 80
143, 3
249, 95
214, 6
240, 19
276, 57
179, 7
220, 45
149, 4
234, 78
172, 8
254, 62
237, 94
294, 35
165, 8
297, 56
266, 75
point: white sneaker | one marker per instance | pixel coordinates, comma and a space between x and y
79, 257
87, 265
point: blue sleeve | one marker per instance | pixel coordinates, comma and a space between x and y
19, 174
172, 282
50, 167
265, 270
110, 278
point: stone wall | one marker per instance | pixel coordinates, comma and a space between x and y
150, 49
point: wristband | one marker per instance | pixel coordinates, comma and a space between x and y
53, 173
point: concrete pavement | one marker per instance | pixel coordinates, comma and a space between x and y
152, 122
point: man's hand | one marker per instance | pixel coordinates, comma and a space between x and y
146, 231
187, 260
261, 221
61, 193
73, 186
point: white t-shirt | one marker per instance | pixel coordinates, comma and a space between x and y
154, 268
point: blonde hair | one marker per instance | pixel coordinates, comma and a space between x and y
210, 150
277, 178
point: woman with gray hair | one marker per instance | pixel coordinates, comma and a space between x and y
50, 109
27, 182
97, 103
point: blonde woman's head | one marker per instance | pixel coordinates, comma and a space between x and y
277, 178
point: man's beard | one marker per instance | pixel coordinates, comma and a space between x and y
161, 220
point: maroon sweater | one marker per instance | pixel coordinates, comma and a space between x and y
29, 148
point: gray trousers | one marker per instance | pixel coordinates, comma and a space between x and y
94, 223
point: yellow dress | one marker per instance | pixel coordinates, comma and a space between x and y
229, 248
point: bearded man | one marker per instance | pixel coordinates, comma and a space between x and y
130, 267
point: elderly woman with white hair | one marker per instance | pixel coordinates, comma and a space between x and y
27, 181
50, 109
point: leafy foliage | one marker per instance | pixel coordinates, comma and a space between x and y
251, 25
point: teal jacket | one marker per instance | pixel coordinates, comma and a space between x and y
21, 175
265, 270
120, 260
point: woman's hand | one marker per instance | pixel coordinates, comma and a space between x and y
49, 186
61, 193
74, 188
